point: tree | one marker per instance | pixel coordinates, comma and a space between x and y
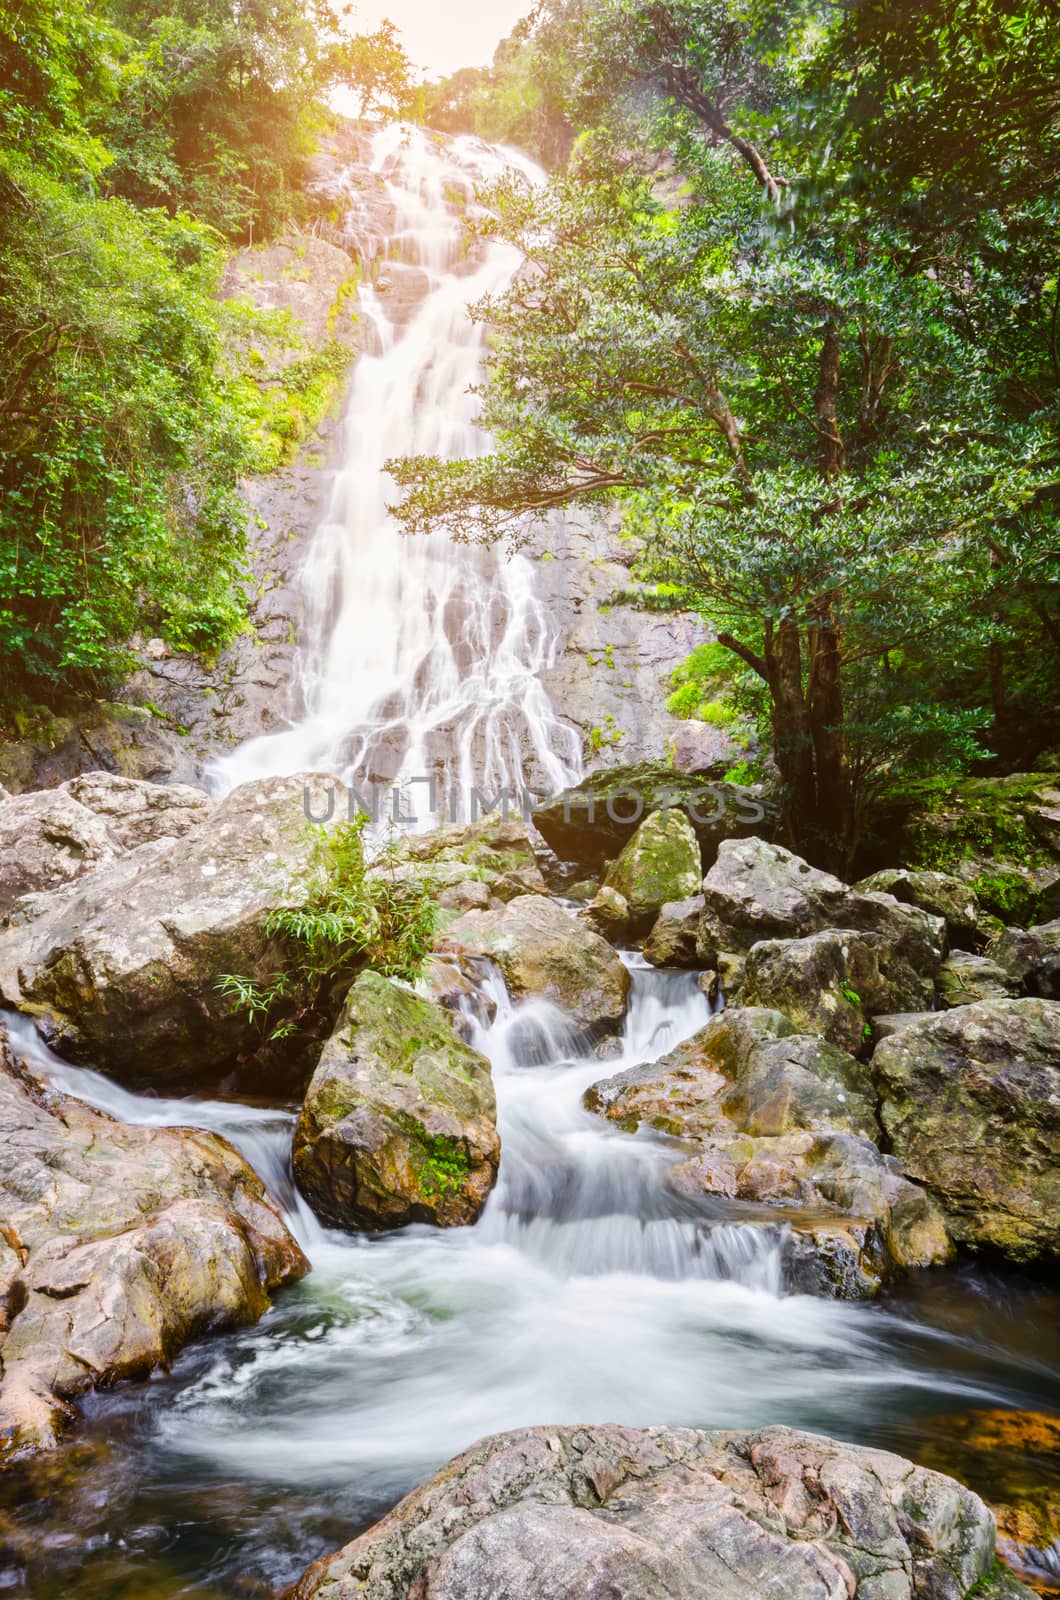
806, 443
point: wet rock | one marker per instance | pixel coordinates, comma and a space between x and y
971, 1102
593, 822
777, 1118
542, 951
1012, 1458
121, 1244
580, 1513
757, 890
122, 966
674, 935
964, 978
941, 893
307, 278
661, 862
399, 1121
607, 914
832, 983
52, 836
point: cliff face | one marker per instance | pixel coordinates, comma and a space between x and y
611, 670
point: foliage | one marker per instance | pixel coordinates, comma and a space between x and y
514, 102
133, 135
355, 914
822, 433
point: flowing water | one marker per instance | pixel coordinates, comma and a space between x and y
588, 1291
419, 657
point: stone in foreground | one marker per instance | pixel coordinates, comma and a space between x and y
542, 951
118, 1245
399, 1122
971, 1101
613, 1513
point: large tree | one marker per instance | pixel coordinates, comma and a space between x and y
812, 450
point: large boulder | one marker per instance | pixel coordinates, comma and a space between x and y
757, 890
941, 893
52, 836
592, 822
119, 1244
970, 1100
833, 983
776, 1118
122, 967
583, 1513
544, 952
399, 1122
661, 862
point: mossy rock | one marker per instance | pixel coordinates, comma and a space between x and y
399, 1122
660, 863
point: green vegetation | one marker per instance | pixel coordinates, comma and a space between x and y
136, 141
813, 354
354, 916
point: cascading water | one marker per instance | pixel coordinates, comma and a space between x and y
419, 657
589, 1290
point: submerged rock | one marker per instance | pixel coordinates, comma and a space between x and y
49, 837
630, 1513
661, 862
971, 1102
399, 1122
118, 1245
122, 967
543, 951
782, 1119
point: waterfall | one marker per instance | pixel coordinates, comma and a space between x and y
419, 657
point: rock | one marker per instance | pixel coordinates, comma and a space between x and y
941, 893
52, 836
673, 938
1030, 958
122, 967
784, 1119
971, 1102
585, 1513
399, 1121
757, 890
121, 1244
583, 891
307, 278
964, 978
661, 862
832, 983
607, 914
1014, 1458
494, 852
471, 896
542, 951
594, 821
892, 1022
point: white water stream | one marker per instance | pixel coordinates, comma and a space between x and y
419, 657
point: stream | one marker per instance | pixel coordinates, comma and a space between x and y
588, 1291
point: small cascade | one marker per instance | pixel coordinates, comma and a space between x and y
419, 658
